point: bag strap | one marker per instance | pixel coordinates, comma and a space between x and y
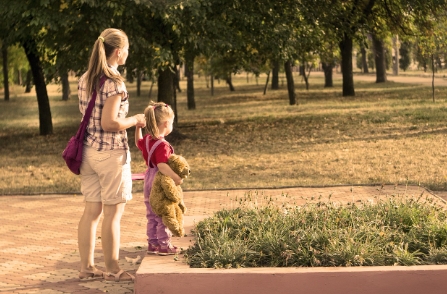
88, 111
150, 151
91, 104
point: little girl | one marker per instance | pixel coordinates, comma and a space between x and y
156, 151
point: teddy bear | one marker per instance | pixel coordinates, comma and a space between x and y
166, 197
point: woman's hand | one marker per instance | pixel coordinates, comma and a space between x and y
140, 120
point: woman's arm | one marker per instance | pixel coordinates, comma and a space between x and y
166, 170
110, 121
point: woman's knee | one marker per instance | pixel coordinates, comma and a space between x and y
114, 210
93, 210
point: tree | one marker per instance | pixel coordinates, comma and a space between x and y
364, 60
45, 121
432, 41
189, 72
5, 70
346, 65
275, 75
329, 56
344, 19
18, 62
379, 54
290, 82
65, 86
46, 30
28, 23
405, 53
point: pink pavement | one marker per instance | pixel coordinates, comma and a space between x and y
38, 243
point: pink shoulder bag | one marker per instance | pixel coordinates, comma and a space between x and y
72, 154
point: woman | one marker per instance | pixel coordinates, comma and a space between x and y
105, 171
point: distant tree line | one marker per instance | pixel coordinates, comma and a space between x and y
218, 37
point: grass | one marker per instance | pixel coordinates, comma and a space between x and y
389, 133
396, 231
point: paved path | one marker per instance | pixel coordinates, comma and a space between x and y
38, 245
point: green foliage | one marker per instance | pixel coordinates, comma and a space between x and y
17, 62
399, 230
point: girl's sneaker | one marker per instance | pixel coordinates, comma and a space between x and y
170, 250
152, 249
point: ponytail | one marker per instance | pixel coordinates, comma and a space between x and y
156, 113
105, 45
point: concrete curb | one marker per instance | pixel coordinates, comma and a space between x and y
347, 280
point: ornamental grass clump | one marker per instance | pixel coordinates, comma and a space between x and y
399, 230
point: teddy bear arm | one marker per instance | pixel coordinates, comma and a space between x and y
182, 206
170, 220
170, 190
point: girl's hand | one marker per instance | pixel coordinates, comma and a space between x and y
178, 180
140, 120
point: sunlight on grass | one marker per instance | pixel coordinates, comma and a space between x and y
388, 133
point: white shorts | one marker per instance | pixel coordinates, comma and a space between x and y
106, 176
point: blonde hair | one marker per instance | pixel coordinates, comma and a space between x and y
156, 113
109, 40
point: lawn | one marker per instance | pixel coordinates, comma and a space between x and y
390, 133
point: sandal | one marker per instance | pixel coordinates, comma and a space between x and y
117, 277
93, 274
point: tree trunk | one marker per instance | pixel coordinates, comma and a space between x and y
165, 86
45, 120
364, 60
301, 70
65, 87
290, 82
212, 83
177, 79
229, 82
379, 57
189, 72
266, 82
150, 89
327, 68
275, 75
396, 56
433, 76
129, 76
19, 77
139, 80
29, 81
306, 76
174, 91
346, 66
5, 71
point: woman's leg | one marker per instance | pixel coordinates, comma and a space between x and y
87, 234
110, 235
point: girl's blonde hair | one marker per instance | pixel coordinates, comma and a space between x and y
109, 40
156, 113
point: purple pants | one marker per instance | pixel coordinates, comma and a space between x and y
157, 233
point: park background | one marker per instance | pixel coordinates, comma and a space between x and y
350, 95
267, 93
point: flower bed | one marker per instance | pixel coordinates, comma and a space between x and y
396, 231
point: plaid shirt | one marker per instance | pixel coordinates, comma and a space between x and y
95, 136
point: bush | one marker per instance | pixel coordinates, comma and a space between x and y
396, 231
